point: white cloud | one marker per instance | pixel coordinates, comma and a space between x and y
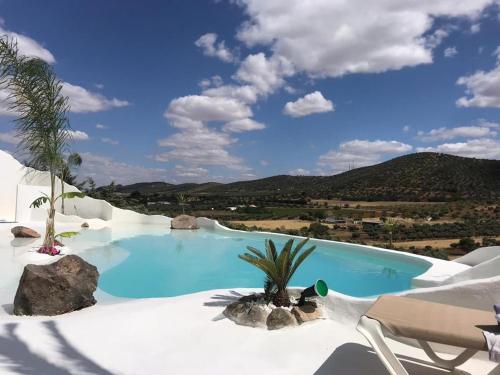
475, 148
214, 81
104, 169
439, 134
341, 41
475, 28
82, 100
360, 153
101, 126
29, 47
209, 46
194, 172
99, 86
9, 137
264, 163
299, 172
482, 88
406, 128
77, 135
309, 104
199, 108
243, 125
264, 74
200, 147
244, 93
450, 52
109, 141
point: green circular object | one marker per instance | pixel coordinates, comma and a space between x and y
321, 288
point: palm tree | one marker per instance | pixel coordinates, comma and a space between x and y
278, 267
42, 123
73, 160
389, 225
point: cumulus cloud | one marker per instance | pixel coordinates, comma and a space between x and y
309, 104
482, 88
78, 135
104, 169
110, 141
243, 125
264, 74
450, 52
214, 81
209, 46
476, 148
360, 153
29, 47
82, 100
299, 172
341, 42
101, 126
198, 108
200, 147
189, 172
440, 134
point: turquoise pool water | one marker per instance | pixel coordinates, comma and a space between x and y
184, 262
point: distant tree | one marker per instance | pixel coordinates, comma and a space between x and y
389, 225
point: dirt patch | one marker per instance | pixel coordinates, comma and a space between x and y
273, 224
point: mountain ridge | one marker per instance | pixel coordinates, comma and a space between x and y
414, 177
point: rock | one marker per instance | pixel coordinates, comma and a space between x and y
246, 314
184, 222
24, 232
306, 313
85, 225
64, 286
280, 318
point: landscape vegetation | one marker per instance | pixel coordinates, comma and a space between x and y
426, 203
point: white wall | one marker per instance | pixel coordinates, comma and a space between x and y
20, 186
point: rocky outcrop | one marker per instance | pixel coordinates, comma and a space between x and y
64, 286
85, 225
280, 318
24, 232
246, 314
184, 222
306, 313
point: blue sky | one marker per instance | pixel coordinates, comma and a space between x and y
229, 90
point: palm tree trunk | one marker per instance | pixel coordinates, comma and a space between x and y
49, 226
281, 298
62, 193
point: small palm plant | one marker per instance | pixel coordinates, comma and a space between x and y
278, 267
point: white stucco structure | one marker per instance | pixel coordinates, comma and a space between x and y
20, 186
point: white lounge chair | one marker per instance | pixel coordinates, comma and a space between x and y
425, 322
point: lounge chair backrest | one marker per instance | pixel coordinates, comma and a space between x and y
489, 268
479, 256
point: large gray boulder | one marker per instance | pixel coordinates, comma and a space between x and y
246, 314
64, 286
184, 222
280, 318
24, 232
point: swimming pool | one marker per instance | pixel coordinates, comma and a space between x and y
181, 262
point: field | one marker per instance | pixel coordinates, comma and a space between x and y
273, 224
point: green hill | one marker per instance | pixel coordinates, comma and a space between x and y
414, 177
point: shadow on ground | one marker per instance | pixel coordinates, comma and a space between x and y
17, 357
355, 359
221, 300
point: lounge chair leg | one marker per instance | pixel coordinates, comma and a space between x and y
448, 364
370, 328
